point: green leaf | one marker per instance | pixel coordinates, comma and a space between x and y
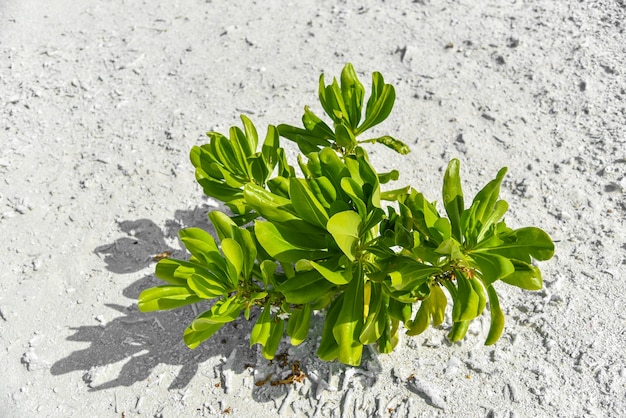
261, 330
399, 310
466, 302
203, 247
344, 227
394, 195
221, 150
524, 242
271, 206
431, 309
223, 311
208, 323
328, 350
193, 338
279, 185
390, 142
307, 141
492, 266
240, 146
354, 190
484, 202
498, 212
479, 289
250, 135
305, 287
393, 175
497, 317
207, 287
352, 92
269, 150
332, 100
453, 198
316, 126
349, 323
332, 167
226, 228
234, 257
389, 339
374, 323
458, 330
161, 298
176, 271
450, 248
345, 138
276, 244
323, 190
336, 275
258, 168
379, 104
407, 274
277, 328
306, 204
298, 324
525, 276
268, 268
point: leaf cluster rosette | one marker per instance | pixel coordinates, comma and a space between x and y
324, 241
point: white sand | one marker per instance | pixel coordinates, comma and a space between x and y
100, 102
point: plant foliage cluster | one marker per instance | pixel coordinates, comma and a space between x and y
326, 241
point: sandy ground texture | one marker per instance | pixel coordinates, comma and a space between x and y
100, 102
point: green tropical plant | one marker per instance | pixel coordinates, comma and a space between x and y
325, 241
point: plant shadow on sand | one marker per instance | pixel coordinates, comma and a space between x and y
145, 340
129, 348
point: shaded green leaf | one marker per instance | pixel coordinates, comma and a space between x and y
305, 287
492, 266
298, 324
349, 323
306, 204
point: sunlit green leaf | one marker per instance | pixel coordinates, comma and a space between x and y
352, 92
344, 227
338, 276
453, 198
390, 142
277, 246
431, 309
525, 276
379, 104
166, 297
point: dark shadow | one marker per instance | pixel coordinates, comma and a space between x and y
147, 339
144, 239
142, 341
